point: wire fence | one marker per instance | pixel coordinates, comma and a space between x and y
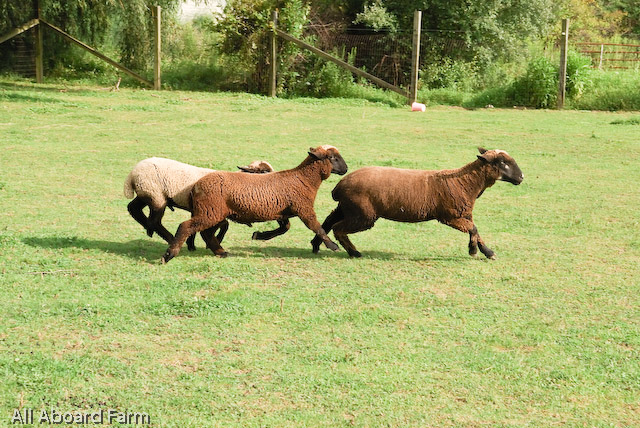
23, 55
383, 54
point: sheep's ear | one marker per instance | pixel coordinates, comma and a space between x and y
314, 153
244, 168
482, 150
483, 158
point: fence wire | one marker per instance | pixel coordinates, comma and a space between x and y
22, 56
385, 55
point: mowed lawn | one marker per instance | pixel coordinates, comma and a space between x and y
415, 334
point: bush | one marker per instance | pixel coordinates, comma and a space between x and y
245, 37
578, 73
539, 85
321, 79
500, 96
450, 74
610, 90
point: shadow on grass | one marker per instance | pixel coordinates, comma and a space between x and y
303, 253
33, 92
152, 250
145, 249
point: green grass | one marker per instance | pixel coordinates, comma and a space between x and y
414, 334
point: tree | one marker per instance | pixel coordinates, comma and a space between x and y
123, 25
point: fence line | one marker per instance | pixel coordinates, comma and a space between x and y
611, 53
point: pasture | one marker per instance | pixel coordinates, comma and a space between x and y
414, 334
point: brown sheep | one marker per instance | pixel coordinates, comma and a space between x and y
406, 195
262, 167
250, 198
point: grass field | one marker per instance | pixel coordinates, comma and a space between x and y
414, 334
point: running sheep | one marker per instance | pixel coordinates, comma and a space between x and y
406, 195
250, 198
159, 183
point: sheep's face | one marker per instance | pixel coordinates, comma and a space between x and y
507, 168
338, 165
257, 167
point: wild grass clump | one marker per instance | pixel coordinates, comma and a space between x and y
610, 91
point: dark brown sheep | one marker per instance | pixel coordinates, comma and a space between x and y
251, 198
406, 195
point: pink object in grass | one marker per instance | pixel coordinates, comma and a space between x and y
418, 107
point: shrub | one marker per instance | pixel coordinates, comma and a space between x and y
447, 73
538, 87
610, 90
578, 73
245, 37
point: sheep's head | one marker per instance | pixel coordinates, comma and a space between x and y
338, 165
507, 168
257, 167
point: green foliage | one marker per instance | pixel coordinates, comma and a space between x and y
376, 17
451, 74
121, 28
538, 87
629, 121
320, 78
578, 73
244, 28
491, 30
610, 90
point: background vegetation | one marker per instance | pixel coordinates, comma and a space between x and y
504, 55
414, 334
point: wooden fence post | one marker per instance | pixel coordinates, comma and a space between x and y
415, 56
273, 70
157, 81
39, 50
564, 47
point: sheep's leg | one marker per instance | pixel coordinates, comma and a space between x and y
212, 241
351, 225
312, 223
187, 228
135, 209
224, 226
283, 227
191, 242
335, 216
155, 224
483, 248
475, 241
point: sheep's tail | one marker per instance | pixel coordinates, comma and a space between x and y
129, 190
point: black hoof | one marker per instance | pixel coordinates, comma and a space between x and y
355, 254
255, 236
191, 247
